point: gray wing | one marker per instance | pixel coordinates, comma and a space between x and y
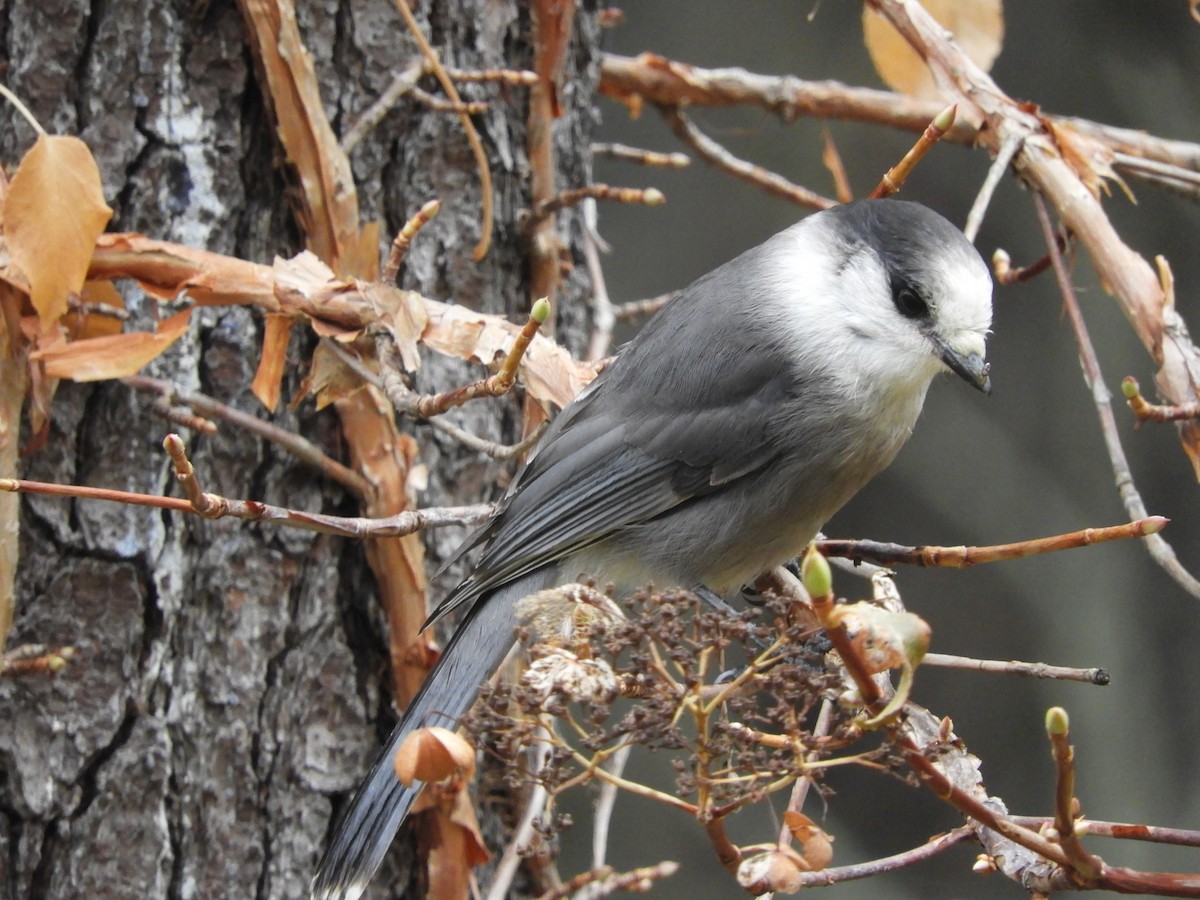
643, 439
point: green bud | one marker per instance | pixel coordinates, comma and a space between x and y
1057, 721
815, 573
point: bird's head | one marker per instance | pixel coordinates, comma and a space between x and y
893, 291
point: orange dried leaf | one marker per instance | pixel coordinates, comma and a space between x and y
1091, 160
815, 845
403, 314
549, 372
431, 754
328, 379
53, 213
267, 379
114, 356
977, 26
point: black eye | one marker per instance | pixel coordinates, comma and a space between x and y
910, 303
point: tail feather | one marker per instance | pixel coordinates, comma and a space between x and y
476, 649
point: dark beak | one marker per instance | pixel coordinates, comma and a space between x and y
972, 369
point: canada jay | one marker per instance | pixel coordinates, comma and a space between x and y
715, 446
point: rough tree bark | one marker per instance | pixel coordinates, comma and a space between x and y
231, 680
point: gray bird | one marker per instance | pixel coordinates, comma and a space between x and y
716, 445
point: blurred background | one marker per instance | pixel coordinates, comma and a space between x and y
1028, 461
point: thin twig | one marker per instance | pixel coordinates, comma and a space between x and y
547, 208
34, 659
603, 315
939, 844
439, 104
642, 157
894, 178
1095, 676
1065, 805
1155, 412
303, 449
636, 309
605, 802
653, 79
800, 789
401, 84
403, 523
404, 239
1160, 551
983, 199
716, 155
406, 401
832, 161
535, 804
485, 173
23, 110
962, 557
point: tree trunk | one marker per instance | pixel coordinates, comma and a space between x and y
230, 684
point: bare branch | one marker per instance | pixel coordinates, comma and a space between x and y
1013, 667
714, 154
1162, 552
962, 557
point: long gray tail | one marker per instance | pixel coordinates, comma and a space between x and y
474, 652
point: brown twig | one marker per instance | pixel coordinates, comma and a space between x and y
832, 160
401, 84
404, 239
510, 77
440, 104
208, 506
1155, 412
303, 449
1007, 274
926, 851
1066, 807
1160, 551
642, 157
894, 178
485, 173
34, 659
716, 155
604, 882
547, 208
1125, 831
398, 525
962, 557
405, 401
494, 386
650, 78
1095, 676
177, 415
636, 309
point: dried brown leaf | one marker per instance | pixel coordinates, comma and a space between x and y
977, 26
114, 356
1091, 160
53, 213
328, 379
403, 314
431, 754
549, 372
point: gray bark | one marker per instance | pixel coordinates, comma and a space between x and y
230, 681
